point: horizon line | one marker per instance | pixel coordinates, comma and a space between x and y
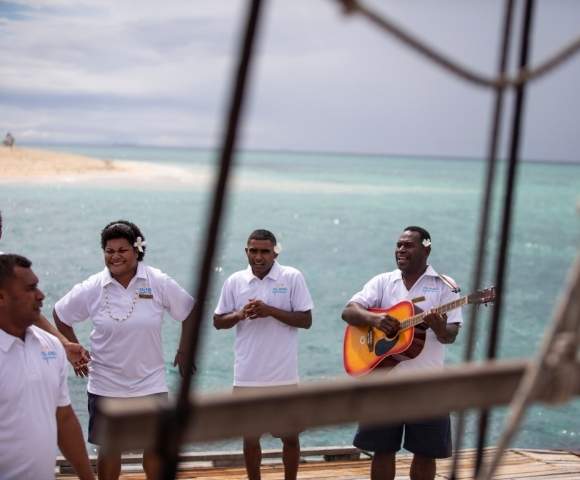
427, 156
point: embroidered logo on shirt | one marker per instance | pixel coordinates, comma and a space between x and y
145, 292
279, 289
431, 289
48, 355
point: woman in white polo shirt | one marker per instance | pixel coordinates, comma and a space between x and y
126, 303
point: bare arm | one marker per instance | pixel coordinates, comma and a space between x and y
186, 327
445, 332
75, 353
293, 319
71, 443
355, 314
180, 356
450, 334
43, 323
65, 331
80, 365
257, 309
228, 320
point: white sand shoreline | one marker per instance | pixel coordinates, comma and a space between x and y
42, 167
28, 165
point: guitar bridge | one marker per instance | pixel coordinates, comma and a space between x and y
370, 339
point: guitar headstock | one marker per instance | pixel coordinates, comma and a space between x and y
482, 296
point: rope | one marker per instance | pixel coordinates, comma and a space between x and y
172, 430
507, 215
454, 67
485, 214
558, 347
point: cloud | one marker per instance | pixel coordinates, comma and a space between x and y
161, 73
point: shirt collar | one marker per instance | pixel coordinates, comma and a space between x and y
273, 274
107, 278
429, 272
7, 340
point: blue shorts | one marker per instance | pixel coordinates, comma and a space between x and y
93, 407
429, 438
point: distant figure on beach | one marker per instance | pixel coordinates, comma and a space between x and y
76, 354
126, 303
8, 140
36, 417
414, 279
267, 303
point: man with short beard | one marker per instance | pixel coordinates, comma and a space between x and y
414, 280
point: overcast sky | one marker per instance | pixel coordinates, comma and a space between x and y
159, 73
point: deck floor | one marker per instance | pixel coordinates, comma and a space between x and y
517, 465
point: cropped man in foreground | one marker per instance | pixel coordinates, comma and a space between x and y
36, 417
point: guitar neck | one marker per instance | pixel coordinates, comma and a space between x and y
417, 319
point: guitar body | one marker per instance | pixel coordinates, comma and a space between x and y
367, 348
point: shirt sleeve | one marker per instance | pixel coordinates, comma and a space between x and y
370, 295
63, 394
176, 300
301, 300
73, 307
226, 302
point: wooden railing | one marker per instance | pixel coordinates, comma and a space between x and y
385, 396
382, 397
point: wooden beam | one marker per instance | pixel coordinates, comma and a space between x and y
381, 397
224, 458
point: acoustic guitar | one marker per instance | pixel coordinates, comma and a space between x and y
366, 348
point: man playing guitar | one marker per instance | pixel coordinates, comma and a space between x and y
413, 280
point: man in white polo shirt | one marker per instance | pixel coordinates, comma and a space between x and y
267, 303
416, 281
35, 410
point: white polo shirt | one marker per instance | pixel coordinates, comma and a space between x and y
388, 289
126, 351
266, 350
33, 376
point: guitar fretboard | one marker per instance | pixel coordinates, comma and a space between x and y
417, 319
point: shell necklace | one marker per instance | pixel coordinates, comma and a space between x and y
108, 306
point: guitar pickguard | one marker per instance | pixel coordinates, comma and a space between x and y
383, 346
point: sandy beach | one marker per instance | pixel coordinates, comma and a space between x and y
28, 165
27, 162
34, 165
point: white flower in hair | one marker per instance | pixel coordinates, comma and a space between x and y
277, 248
139, 244
426, 242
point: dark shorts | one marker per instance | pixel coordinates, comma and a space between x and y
429, 438
93, 406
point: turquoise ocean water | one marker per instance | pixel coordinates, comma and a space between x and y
337, 218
